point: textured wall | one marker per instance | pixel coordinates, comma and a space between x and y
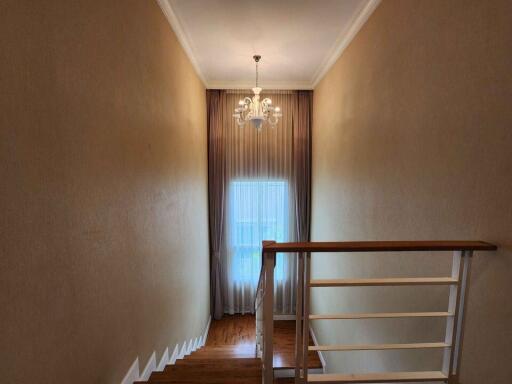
103, 193
412, 139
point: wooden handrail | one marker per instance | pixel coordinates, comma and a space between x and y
380, 246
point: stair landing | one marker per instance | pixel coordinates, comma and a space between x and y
239, 331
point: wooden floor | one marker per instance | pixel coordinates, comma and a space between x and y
240, 330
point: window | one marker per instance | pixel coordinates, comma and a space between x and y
258, 210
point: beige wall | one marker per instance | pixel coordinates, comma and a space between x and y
412, 139
104, 249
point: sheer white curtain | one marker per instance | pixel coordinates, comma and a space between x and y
259, 205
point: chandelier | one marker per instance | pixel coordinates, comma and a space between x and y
254, 110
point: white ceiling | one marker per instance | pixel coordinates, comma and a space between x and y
298, 39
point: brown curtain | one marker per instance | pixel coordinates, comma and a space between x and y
216, 198
235, 153
302, 163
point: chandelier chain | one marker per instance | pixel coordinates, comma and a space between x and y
257, 74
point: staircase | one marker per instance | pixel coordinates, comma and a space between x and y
256, 363
230, 364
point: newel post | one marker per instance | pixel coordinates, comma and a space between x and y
269, 259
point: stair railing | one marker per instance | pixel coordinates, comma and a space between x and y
264, 310
452, 345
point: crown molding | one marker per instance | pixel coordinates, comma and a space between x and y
176, 26
344, 39
269, 85
342, 42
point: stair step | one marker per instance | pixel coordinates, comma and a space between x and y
176, 369
198, 374
383, 282
206, 380
231, 348
383, 377
383, 315
224, 355
228, 346
375, 347
218, 362
247, 371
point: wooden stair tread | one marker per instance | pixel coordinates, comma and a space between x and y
218, 362
224, 352
371, 347
397, 281
223, 356
177, 369
377, 377
206, 379
199, 374
227, 346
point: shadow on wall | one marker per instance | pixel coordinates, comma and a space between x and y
412, 141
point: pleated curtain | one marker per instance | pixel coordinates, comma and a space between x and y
259, 189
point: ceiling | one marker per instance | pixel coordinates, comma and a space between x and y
298, 40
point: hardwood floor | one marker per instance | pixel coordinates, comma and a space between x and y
240, 330
229, 355
232, 330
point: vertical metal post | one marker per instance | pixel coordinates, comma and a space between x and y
259, 317
305, 321
461, 269
459, 326
298, 318
453, 307
268, 318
